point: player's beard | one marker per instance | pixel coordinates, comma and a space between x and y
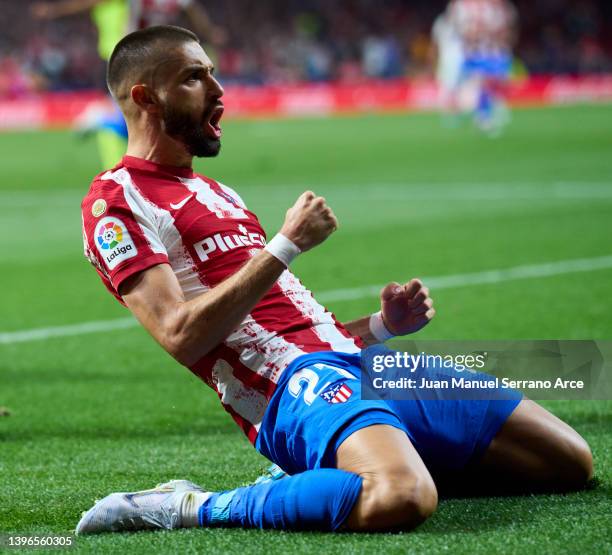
188, 129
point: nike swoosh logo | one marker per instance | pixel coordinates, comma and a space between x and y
180, 205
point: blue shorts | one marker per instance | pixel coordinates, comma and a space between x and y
495, 65
318, 404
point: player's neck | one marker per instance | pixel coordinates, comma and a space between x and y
160, 150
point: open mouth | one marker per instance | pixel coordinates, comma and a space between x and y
213, 129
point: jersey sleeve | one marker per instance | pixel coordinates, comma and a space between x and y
120, 235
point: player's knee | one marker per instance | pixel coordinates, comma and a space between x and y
578, 468
569, 465
402, 501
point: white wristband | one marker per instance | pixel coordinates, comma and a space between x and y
282, 248
378, 328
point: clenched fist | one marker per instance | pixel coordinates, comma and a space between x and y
406, 308
309, 221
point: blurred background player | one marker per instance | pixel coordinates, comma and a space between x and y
113, 20
487, 29
448, 56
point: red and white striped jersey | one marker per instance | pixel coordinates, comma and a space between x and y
482, 24
146, 13
140, 214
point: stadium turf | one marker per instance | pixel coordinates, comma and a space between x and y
109, 411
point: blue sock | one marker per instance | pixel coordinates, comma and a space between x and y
316, 499
485, 104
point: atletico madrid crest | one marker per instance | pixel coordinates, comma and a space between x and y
337, 393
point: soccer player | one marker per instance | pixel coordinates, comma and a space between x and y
487, 29
449, 61
113, 19
191, 261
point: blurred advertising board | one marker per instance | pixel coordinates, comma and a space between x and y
65, 109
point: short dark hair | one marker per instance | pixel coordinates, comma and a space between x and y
136, 52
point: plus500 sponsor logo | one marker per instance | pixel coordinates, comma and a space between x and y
227, 242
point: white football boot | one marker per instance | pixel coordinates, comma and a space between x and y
167, 506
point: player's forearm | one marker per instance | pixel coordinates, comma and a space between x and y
361, 328
200, 324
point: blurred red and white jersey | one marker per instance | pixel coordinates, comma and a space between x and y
140, 214
146, 13
483, 24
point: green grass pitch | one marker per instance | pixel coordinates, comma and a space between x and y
104, 412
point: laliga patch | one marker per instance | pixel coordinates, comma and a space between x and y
98, 208
114, 242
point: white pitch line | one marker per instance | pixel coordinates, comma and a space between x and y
83, 328
530, 271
